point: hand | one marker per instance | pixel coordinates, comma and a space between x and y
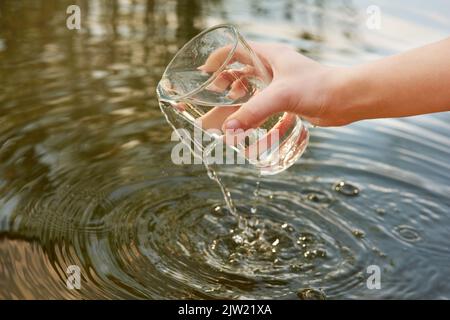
397, 86
299, 85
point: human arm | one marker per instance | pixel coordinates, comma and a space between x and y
410, 83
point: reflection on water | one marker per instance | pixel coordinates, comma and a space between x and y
86, 177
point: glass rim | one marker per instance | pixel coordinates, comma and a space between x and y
222, 66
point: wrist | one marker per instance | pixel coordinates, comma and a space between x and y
352, 95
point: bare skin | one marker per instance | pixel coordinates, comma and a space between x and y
412, 83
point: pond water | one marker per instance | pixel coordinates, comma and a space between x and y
86, 177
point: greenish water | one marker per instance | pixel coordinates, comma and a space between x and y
86, 176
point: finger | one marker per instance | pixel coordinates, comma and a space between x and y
225, 79
222, 82
262, 105
214, 118
216, 59
219, 56
239, 88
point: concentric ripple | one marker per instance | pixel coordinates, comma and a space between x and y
149, 239
137, 234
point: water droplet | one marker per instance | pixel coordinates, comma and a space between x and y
311, 254
306, 238
234, 258
287, 227
256, 192
320, 253
211, 175
238, 239
253, 210
346, 189
311, 294
276, 242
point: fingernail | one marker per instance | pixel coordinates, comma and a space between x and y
233, 125
201, 68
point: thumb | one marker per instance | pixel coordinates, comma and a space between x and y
251, 114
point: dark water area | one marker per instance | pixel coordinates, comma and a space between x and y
86, 176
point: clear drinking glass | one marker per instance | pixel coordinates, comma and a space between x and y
209, 78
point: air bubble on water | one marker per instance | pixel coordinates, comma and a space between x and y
276, 242
313, 197
303, 245
320, 253
407, 233
311, 294
253, 210
358, 233
306, 238
346, 189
